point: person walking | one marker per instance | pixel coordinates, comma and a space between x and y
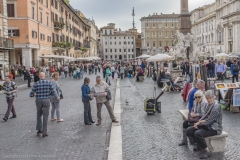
86, 97
55, 99
112, 71
28, 77
42, 90
122, 71
235, 71
65, 71
10, 89
100, 90
108, 74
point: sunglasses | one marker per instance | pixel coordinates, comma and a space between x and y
198, 97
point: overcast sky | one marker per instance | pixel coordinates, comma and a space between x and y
120, 11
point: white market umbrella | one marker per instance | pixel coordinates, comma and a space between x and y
222, 55
233, 56
144, 56
159, 57
236, 54
80, 59
94, 58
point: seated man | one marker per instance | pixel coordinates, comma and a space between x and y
140, 73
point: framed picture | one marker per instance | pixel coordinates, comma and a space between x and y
236, 97
220, 85
228, 74
231, 85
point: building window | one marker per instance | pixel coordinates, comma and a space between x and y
33, 10
124, 50
160, 44
166, 25
34, 34
56, 4
147, 44
10, 10
40, 17
230, 33
114, 37
166, 43
105, 32
52, 17
110, 55
110, 43
49, 39
120, 50
154, 44
153, 25
166, 34
106, 50
120, 43
115, 43
13, 33
115, 50
172, 25
48, 21
146, 25
160, 25
115, 56
128, 50
42, 36
47, 3
111, 50
105, 43
41, 1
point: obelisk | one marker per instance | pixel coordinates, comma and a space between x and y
184, 18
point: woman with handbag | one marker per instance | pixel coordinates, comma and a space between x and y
199, 108
55, 99
209, 125
86, 97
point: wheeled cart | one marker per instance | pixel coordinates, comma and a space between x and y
151, 106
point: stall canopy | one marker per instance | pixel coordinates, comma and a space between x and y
159, 57
144, 56
236, 54
222, 55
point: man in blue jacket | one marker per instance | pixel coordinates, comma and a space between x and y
200, 85
235, 71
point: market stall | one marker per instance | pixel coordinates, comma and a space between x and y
229, 95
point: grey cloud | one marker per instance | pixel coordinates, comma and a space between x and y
120, 11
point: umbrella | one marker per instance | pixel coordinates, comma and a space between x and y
236, 54
159, 57
80, 59
233, 56
222, 55
144, 56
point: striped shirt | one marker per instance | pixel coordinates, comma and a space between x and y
43, 89
8, 87
214, 120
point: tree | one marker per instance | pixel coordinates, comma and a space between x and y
67, 1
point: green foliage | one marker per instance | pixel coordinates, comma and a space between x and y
67, 1
62, 44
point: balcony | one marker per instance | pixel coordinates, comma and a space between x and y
62, 45
58, 25
6, 43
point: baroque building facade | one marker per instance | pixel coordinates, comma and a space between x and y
216, 28
46, 27
158, 32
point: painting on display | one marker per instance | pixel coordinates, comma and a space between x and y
228, 74
220, 85
231, 85
236, 97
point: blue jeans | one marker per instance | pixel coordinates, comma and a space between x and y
191, 78
55, 107
87, 112
81, 74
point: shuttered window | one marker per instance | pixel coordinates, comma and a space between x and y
10, 10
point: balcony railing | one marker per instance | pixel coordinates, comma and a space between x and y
86, 46
58, 25
62, 44
6, 43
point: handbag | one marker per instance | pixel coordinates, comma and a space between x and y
61, 96
193, 119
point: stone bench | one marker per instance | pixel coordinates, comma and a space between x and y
215, 143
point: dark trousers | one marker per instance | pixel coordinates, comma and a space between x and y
121, 75
210, 73
104, 74
191, 78
43, 106
186, 124
220, 75
234, 76
10, 108
199, 135
29, 82
87, 112
99, 69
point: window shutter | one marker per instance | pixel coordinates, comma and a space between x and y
17, 32
10, 10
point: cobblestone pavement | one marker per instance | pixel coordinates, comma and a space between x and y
70, 139
156, 137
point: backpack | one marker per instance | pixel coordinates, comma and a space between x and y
236, 68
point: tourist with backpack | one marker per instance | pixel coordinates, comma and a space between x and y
235, 71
